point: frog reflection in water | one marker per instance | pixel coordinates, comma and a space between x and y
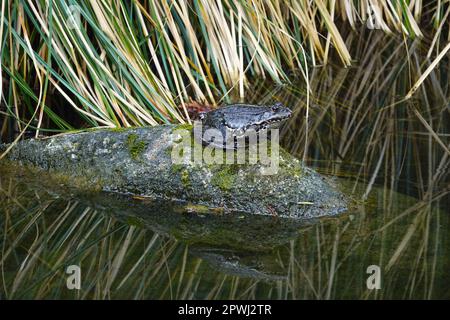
224, 126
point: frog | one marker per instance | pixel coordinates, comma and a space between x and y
236, 121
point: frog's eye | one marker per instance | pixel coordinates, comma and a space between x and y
277, 106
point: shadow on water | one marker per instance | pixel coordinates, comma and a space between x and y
390, 156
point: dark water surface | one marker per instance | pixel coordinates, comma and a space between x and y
390, 156
138, 248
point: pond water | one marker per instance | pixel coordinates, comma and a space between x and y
389, 155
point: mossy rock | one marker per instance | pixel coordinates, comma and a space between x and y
135, 146
140, 161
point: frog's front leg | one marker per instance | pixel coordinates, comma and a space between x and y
217, 138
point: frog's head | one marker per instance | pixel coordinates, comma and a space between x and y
270, 117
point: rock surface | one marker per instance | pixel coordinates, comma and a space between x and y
139, 161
